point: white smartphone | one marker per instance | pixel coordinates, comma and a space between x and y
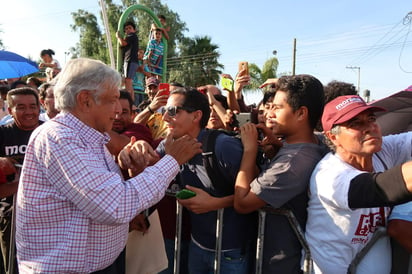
243, 118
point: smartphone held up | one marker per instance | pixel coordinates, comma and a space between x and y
164, 89
243, 69
226, 83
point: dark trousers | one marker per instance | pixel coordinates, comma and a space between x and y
117, 267
5, 231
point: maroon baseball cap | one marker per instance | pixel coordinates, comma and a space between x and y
344, 108
152, 81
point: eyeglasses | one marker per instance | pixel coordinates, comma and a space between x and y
173, 110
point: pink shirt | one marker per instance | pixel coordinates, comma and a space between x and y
73, 206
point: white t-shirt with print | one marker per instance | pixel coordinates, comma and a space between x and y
335, 232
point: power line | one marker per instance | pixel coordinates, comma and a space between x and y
192, 58
376, 49
406, 20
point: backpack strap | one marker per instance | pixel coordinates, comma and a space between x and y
210, 162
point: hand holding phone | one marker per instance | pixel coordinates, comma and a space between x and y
185, 194
243, 68
226, 83
164, 89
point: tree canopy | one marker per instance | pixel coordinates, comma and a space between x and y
192, 61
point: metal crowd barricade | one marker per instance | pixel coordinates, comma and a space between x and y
178, 236
307, 264
379, 233
219, 236
12, 247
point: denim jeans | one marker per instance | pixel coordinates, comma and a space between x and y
201, 261
170, 251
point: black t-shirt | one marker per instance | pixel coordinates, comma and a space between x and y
131, 49
13, 143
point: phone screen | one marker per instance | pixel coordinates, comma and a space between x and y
164, 89
227, 83
185, 194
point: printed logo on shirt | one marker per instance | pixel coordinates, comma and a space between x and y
14, 150
368, 223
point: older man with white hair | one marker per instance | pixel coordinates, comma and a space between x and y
353, 187
73, 205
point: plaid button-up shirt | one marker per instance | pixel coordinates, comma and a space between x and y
73, 206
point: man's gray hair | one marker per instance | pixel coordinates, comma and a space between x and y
83, 74
334, 130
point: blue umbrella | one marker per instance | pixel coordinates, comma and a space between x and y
13, 65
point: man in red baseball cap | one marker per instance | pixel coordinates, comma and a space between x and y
344, 108
353, 187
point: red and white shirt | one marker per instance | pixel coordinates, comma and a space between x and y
73, 206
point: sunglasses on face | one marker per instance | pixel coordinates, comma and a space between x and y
173, 110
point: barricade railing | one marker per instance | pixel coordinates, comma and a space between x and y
307, 266
178, 236
297, 229
379, 233
219, 236
12, 247
307, 263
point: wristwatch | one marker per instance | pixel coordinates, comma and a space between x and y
151, 111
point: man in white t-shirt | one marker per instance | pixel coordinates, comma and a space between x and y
352, 188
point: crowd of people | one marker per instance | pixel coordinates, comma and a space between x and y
84, 164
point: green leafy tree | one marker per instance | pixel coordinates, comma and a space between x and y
92, 43
90, 31
113, 14
258, 76
197, 63
192, 61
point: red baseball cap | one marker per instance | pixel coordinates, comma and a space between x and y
344, 108
152, 81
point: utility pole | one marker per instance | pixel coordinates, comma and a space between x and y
294, 57
358, 68
66, 53
107, 30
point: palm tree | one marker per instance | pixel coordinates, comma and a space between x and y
91, 42
258, 76
197, 63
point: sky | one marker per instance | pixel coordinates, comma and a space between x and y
367, 43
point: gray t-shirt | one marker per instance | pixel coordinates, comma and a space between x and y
284, 184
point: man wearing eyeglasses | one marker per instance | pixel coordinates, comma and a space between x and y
73, 205
187, 112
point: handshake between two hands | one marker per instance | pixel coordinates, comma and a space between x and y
139, 154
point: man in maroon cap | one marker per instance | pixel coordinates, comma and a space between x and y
353, 187
149, 110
